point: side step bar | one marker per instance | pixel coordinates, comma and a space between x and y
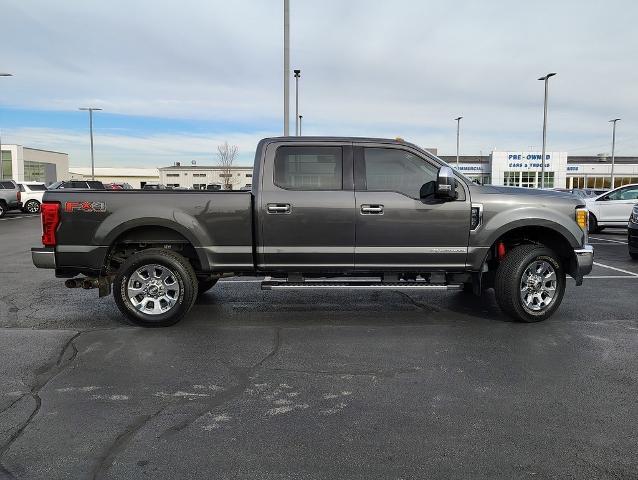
356, 285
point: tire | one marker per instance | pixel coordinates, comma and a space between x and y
633, 255
32, 206
531, 262
206, 285
3, 209
593, 224
170, 283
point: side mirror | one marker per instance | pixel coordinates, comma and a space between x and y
446, 184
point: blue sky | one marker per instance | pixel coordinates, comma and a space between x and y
176, 79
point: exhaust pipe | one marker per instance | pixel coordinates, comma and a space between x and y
73, 283
89, 283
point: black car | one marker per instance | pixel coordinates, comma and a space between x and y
77, 184
632, 233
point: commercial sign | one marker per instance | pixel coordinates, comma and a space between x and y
520, 160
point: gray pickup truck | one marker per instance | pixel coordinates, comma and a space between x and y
323, 213
9, 197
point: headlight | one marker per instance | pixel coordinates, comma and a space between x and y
582, 218
633, 218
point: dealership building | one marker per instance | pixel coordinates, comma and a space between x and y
523, 169
24, 164
198, 176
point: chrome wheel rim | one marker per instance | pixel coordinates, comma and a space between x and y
32, 207
538, 285
153, 289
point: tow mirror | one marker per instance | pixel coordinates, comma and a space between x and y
446, 184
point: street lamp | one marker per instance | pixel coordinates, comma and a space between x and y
297, 76
2, 164
458, 130
545, 79
286, 65
613, 149
90, 110
300, 118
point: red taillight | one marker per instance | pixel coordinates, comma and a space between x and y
50, 222
18, 196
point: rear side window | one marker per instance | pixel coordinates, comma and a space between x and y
309, 168
40, 187
95, 185
7, 185
629, 193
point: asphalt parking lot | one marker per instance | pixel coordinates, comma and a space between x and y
274, 385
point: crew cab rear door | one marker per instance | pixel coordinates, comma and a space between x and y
395, 228
306, 208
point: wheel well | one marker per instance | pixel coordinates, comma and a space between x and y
145, 237
540, 236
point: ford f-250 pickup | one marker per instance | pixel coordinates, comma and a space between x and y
323, 213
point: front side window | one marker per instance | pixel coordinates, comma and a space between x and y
629, 193
396, 170
309, 168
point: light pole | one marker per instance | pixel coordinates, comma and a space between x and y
458, 131
297, 76
613, 150
1, 163
546, 80
300, 118
286, 65
90, 110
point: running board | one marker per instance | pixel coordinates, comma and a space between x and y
356, 285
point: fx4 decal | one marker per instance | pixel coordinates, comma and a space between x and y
85, 207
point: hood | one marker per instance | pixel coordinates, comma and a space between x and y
497, 190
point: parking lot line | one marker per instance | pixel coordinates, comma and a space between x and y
608, 240
15, 218
633, 274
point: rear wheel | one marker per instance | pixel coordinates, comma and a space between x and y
32, 206
3, 209
634, 255
530, 283
155, 288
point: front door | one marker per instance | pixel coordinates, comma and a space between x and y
616, 205
395, 227
306, 210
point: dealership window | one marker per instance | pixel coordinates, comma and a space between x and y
199, 186
528, 179
511, 179
308, 168
199, 175
549, 179
34, 171
5, 164
173, 175
249, 175
173, 185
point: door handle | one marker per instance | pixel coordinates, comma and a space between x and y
278, 208
372, 209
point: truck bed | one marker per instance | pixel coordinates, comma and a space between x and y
218, 224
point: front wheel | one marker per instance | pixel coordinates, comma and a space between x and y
155, 288
530, 283
593, 224
3, 210
32, 206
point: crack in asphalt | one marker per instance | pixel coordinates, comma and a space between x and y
243, 376
44, 375
419, 305
121, 443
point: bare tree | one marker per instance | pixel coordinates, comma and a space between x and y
226, 155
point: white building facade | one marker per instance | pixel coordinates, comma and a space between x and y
199, 176
523, 169
25, 164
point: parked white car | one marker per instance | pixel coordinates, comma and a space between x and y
31, 195
611, 209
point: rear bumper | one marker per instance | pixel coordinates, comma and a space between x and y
584, 262
43, 257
